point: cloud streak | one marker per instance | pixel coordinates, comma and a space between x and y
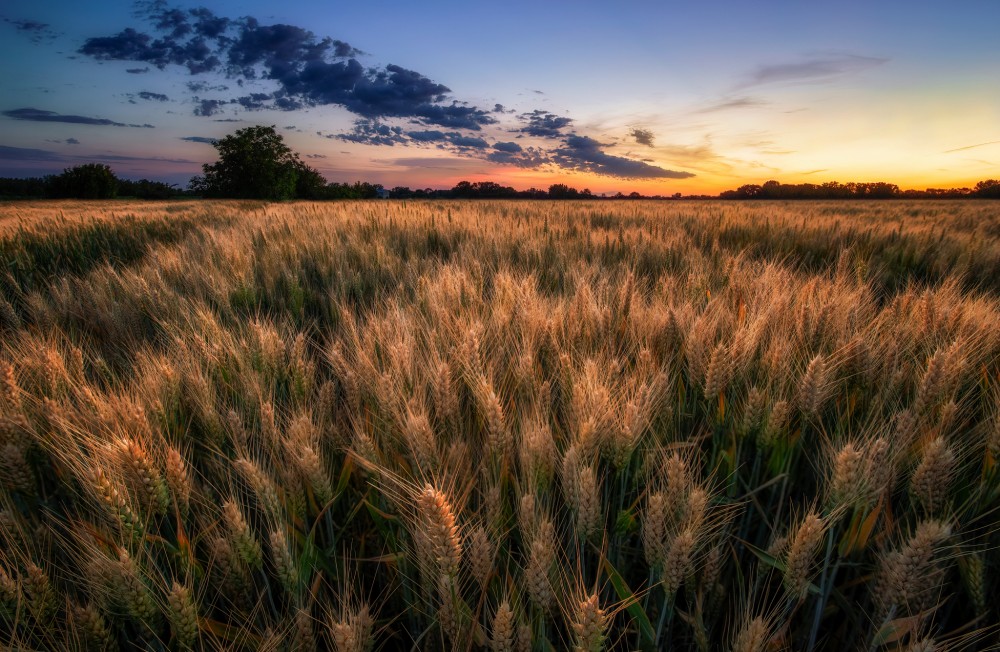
812, 70
962, 149
38, 115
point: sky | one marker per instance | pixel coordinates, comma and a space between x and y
653, 97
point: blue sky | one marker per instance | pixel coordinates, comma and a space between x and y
658, 97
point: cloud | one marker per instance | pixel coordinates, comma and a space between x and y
131, 45
453, 164
308, 71
201, 87
584, 154
147, 95
122, 158
200, 139
315, 155
38, 115
529, 158
544, 124
507, 147
136, 71
72, 141
26, 154
373, 132
68, 141
209, 107
813, 69
36, 31
467, 142
962, 149
427, 136
642, 136
731, 103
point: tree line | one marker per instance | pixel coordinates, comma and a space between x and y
87, 181
255, 163
988, 189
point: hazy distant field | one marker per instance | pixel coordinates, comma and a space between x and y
500, 425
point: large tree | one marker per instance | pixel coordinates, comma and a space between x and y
254, 163
87, 181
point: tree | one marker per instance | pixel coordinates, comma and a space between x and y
309, 183
254, 163
87, 181
989, 188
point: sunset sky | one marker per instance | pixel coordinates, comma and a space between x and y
656, 97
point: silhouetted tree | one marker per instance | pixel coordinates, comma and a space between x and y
254, 163
309, 183
989, 189
87, 181
562, 191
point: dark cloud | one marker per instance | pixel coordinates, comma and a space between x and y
254, 101
72, 141
200, 139
427, 136
309, 71
468, 142
817, 68
510, 148
136, 71
207, 24
315, 155
544, 124
227, 120
209, 107
453, 138
373, 132
201, 87
38, 115
131, 45
158, 97
68, 141
529, 158
27, 154
642, 136
585, 154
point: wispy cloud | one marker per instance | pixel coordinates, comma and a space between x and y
27, 154
38, 115
728, 103
811, 69
200, 139
962, 149
35, 30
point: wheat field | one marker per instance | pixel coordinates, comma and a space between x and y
500, 426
